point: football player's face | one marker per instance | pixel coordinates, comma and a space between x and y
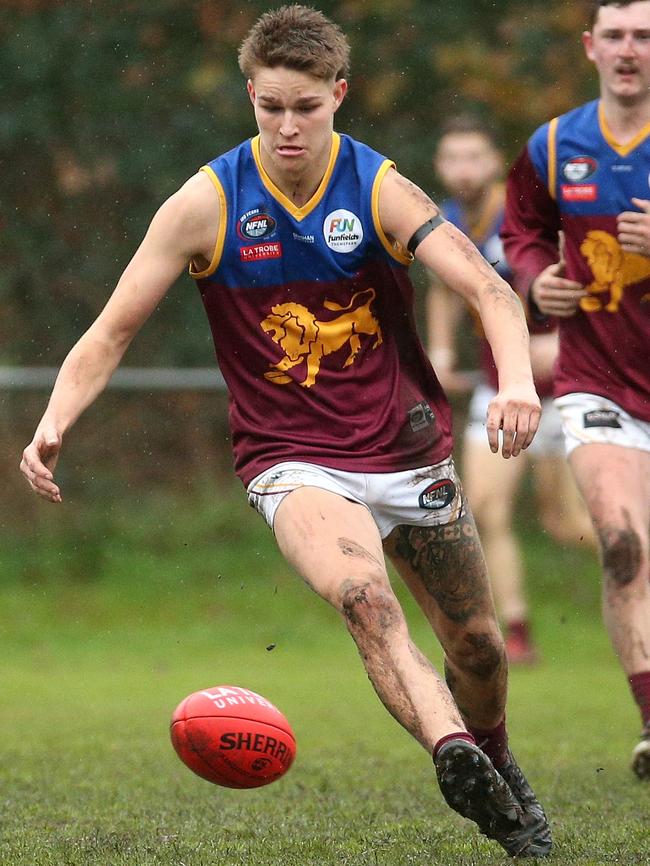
619, 46
467, 163
295, 116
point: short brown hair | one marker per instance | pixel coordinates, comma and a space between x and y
594, 8
468, 124
297, 37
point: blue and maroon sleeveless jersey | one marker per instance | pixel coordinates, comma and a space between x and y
311, 312
574, 177
485, 234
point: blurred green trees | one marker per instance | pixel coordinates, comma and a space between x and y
108, 105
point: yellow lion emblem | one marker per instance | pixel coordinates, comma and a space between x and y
613, 270
304, 339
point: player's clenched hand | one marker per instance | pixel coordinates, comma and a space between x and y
39, 460
634, 228
553, 294
515, 411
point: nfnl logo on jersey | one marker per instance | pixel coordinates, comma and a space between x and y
342, 230
579, 168
255, 225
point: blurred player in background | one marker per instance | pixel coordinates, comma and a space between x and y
300, 240
469, 163
587, 174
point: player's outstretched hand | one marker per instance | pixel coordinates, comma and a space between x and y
515, 411
634, 228
554, 295
39, 460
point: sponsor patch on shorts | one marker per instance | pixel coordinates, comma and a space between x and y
601, 418
438, 495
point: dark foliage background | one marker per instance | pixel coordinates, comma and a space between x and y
107, 106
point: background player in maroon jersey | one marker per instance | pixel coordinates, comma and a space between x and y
581, 182
470, 165
295, 60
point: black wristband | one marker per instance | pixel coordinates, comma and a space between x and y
420, 234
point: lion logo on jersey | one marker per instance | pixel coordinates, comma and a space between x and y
613, 270
303, 338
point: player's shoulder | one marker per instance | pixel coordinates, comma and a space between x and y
232, 157
578, 124
200, 192
583, 120
352, 143
190, 212
196, 195
583, 116
363, 156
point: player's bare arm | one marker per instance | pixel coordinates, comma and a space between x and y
444, 312
445, 250
184, 228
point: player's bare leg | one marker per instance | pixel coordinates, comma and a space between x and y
335, 546
560, 508
615, 484
445, 570
491, 485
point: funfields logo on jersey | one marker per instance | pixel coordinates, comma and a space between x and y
255, 225
342, 230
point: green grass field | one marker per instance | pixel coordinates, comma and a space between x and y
107, 629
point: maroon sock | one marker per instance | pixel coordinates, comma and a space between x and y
640, 685
457, 735
520, 629
493, 742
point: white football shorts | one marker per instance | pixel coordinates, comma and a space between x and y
548, 441
588, 419
430, 496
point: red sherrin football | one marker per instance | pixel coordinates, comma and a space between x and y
233, 737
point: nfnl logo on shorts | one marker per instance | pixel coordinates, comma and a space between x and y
261, 251
342, 230
579, 192
438, 495
254, 225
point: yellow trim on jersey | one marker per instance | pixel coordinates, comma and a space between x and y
552, 157
396, 250
298, 213
221, 234
621, 149
493, 206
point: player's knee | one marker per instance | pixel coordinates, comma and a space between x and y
479, 653
622, 555
491, 515
370, 606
